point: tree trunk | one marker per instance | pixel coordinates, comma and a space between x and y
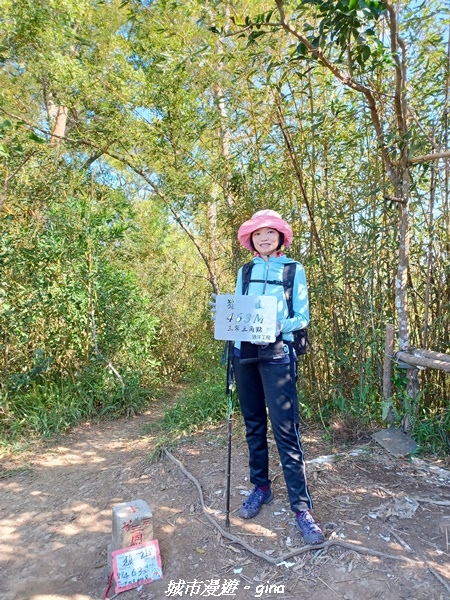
57, 116
401, 279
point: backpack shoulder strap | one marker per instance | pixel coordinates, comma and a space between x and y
246, 275
288, 283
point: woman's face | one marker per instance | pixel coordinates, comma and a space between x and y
266, 241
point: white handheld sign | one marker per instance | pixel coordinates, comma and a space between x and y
246, 318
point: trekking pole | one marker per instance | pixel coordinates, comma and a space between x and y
229, 394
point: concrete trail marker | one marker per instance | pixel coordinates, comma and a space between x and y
134, 556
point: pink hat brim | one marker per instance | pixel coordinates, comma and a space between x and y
258, 221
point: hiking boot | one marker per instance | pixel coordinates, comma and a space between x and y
251, 507
309, 529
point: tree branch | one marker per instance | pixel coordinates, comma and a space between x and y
284, 557
299, 173
428, 157
348, 81
422, 129
400, 68
212, 277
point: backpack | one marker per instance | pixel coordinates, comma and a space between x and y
301, 341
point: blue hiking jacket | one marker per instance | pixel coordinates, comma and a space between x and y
272, 270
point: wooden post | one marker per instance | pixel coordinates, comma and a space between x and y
387, 369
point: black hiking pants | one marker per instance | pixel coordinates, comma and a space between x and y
260, 384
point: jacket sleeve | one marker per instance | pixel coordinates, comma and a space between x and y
300, 303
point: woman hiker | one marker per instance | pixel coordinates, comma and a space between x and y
265, 374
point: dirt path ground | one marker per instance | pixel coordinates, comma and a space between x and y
55, 511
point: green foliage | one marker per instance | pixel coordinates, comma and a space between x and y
201, 404
76, 331
429, 425
346, 24
42, 407
432, 431
168, 272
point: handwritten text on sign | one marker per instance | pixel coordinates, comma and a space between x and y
246, 318
136, 565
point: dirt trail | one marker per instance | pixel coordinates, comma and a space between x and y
55, 507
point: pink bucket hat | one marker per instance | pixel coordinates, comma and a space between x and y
264, 218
